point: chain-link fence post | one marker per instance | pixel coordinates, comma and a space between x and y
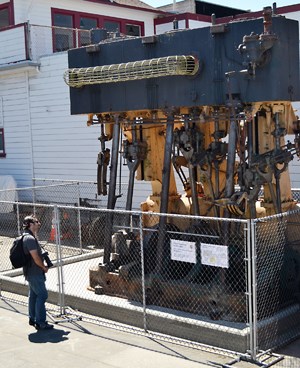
18, 218
61, 295
143, 271
79, 216
252, 287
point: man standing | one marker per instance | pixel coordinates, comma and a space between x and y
34, 273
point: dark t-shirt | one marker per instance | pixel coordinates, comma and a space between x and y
30, 243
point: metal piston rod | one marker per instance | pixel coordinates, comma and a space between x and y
165, 192
111, 201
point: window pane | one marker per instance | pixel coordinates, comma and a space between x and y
4, 18
63, 20
112, 26
63, 38
88, 23
133, 30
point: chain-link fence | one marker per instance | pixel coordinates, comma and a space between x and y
278, 279
64, 192
230, 285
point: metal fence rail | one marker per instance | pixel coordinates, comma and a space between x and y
227, 285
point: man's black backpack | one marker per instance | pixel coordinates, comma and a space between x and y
17, 255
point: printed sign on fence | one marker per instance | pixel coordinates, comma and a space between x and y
183, 251
214, 255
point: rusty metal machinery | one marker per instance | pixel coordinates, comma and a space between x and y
211, 105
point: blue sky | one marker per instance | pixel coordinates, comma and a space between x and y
252, 5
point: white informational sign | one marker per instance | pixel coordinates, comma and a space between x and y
183, 251
214, 255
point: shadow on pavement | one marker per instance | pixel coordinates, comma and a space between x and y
54, 336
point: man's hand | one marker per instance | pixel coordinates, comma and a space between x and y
38, 260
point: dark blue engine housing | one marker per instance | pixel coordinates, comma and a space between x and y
216, 47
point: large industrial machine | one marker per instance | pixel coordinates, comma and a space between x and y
210, 106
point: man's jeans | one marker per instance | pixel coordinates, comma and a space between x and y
38, 295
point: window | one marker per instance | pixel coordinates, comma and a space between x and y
63, 38
2, 149
4, 16
133, 30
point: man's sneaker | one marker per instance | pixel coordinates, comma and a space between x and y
31, 322
44, 326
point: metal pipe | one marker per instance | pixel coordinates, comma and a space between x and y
229, 188
111, 201
278, 191
250, 141
165, 191
276, 171
132, 169
193, 185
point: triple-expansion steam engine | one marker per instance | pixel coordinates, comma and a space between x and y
211, 106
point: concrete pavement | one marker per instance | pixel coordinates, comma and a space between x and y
80, 344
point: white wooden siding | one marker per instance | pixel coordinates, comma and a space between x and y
12, 45
14, 94
55, 133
